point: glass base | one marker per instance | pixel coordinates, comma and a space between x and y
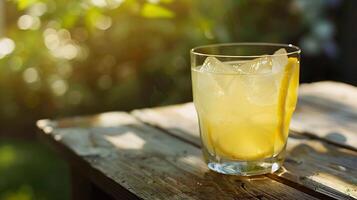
246, 168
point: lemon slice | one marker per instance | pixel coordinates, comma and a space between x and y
243, 142
287, 99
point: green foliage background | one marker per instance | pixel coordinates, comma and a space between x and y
128, 53
31, 171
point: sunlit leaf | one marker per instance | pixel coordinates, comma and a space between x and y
69, 20
23, 4
92, 16
71, 16
156, 11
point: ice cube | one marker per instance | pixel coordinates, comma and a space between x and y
212, 64
257, 66
263, 90
216, 76
280, 59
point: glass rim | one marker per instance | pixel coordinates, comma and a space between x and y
194, 50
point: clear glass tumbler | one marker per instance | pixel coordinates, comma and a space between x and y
245, 95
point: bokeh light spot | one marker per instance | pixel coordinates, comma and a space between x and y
103, 22
30, 75
68, 51
26, 22
64, 35
59, 87
154, 1
6, 47
99, 3
51, 39
61, 44
38, 9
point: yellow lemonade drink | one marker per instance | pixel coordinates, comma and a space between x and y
245, 107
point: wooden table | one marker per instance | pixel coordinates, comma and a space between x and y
155, 153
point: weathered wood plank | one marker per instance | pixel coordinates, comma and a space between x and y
152, 164
81, 166
315, 164
328, 110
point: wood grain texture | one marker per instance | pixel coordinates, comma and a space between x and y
316, 164
328, 110
152, 164
81, 167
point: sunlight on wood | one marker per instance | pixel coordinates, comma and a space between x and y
46, 125
195, 161
281, 171
112, 119
327, 110
187, 110
336, 182
306, 148
127, 140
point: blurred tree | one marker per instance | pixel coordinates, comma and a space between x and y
73, 57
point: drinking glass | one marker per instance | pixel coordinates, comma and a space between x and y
245, 95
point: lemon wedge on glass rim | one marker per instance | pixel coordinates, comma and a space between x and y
287, 98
